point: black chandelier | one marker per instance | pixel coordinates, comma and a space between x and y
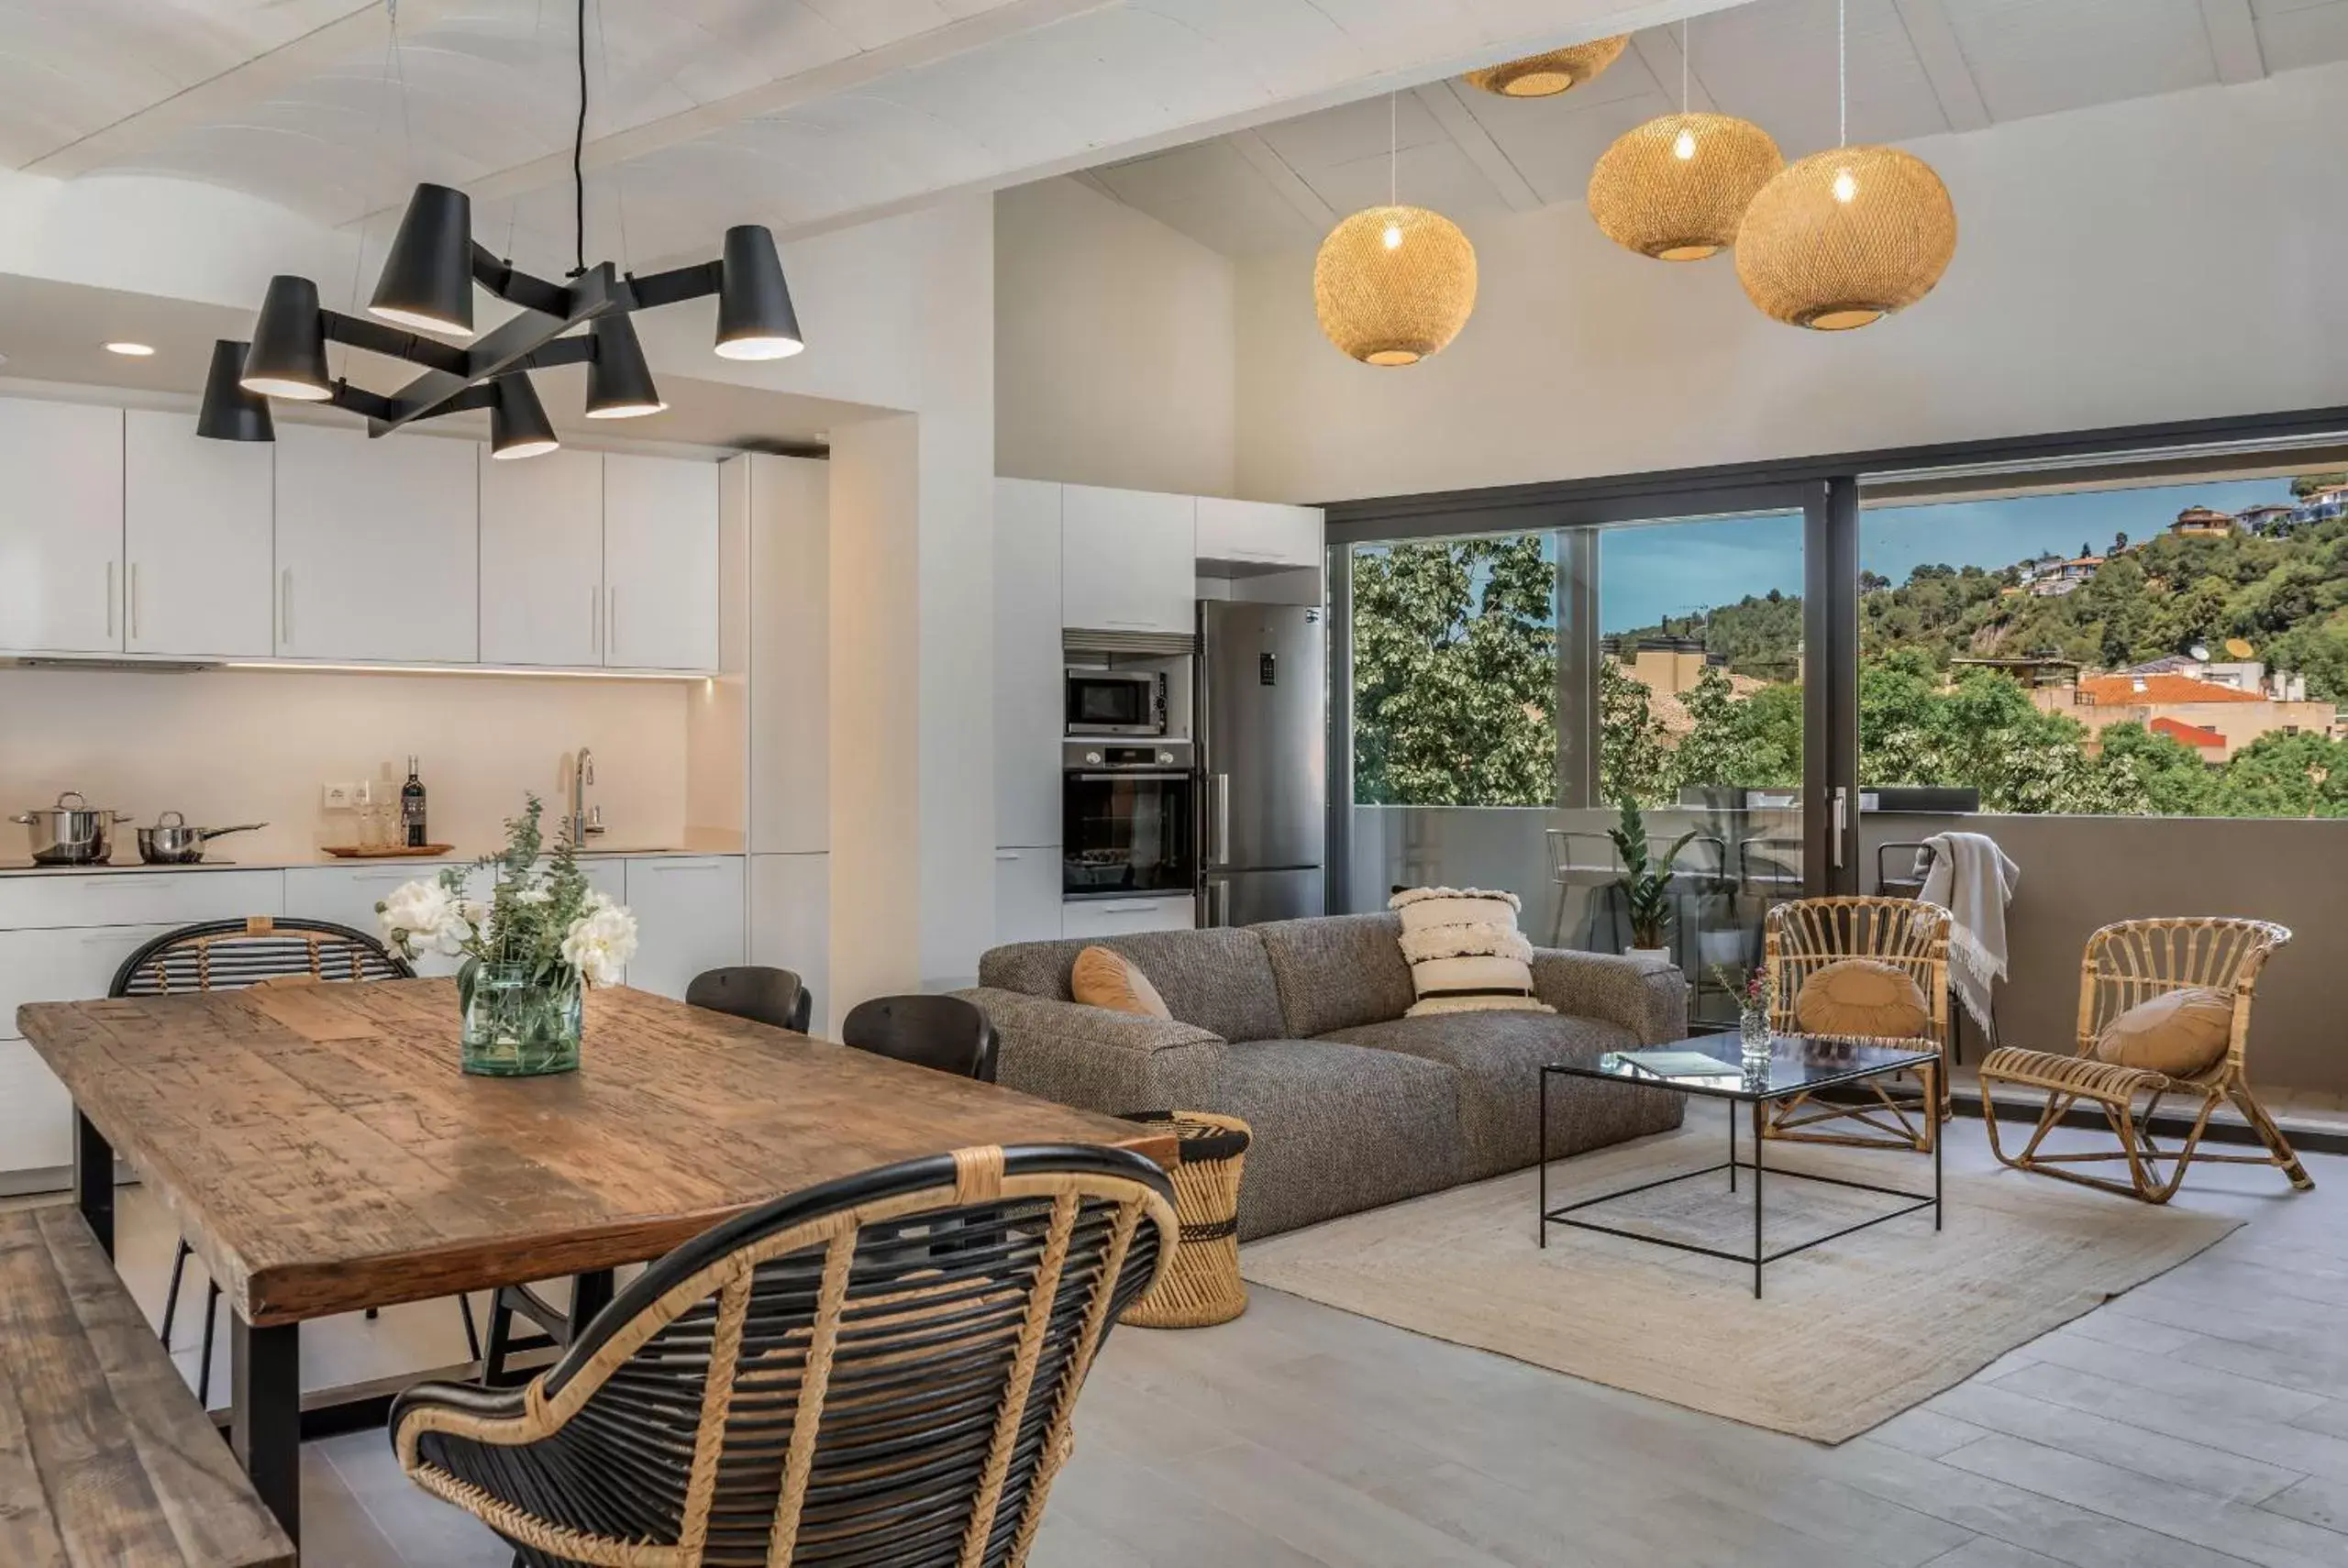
427, 286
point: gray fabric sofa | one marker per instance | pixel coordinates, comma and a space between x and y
1296, 1027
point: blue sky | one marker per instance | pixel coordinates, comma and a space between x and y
1672, 568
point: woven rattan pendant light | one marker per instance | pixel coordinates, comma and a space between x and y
1546, 75
1676, 187
1842, 238
1395, 284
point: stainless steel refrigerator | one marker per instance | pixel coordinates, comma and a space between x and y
1261, 719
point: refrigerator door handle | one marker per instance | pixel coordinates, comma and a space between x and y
1219, 903
1218, 818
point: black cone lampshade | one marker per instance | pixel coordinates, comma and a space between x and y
230, 412
288, 356
755, 320
518, 420
619, 383
427, 279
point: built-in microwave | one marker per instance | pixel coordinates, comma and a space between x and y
1116, 703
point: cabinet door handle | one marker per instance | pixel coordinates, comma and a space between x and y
1127, 909
133, 607
285, 607
109, 597
595, 622
611, 625
1006, 855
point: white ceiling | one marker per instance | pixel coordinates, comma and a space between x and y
795, 113
1917, 68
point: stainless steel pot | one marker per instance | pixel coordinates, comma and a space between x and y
170, 842
70, 832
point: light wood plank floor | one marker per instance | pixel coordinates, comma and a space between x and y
2200, 1421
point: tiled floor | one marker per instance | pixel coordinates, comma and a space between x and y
2200, 1421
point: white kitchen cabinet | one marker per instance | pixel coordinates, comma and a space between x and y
1027, 895
606, 874
1029, 665
542, 560
60, 527
197, 540
378, 547
659, 564
68, 964
347, 895
1258, 533
36, 1117
689, 913
1128, 560
157, 897
1123, 917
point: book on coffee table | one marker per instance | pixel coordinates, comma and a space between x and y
1683, 1064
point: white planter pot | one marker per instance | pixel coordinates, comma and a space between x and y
1651, 954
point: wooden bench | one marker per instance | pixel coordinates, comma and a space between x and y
107, 1460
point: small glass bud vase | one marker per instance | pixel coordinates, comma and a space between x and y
519, 1023
1753, 1032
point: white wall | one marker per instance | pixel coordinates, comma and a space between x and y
1115, 346
236, 745
2170, 257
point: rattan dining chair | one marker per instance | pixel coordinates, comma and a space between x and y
2125, 963
1803, 936
812, 1383
241, 954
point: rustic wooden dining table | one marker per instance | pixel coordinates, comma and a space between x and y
319, 1149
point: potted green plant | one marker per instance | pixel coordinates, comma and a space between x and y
1645, 883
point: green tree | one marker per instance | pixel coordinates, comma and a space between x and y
1634, 763
2287, 776
2174, 780
1455, 674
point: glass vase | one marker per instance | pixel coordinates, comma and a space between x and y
1752, 1033
519, 1023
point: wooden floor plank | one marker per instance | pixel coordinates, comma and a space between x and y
2175, 1461
2283, 1443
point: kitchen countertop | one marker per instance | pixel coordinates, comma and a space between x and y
23, 865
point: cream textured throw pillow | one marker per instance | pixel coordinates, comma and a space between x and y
1466, 952
2181, 1033
1104, 977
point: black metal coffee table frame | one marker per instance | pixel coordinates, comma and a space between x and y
1800, 1064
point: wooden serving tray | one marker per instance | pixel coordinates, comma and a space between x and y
386, 850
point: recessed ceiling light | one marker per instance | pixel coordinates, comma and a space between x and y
133, 350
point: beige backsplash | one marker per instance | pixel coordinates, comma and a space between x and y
233, 745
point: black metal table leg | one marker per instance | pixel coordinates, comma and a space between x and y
1541, 1207
1731, 1146
1940, 1136
94, 1180
1759, 1255
265, 1424
590, 1294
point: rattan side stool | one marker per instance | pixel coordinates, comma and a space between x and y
1201, 1285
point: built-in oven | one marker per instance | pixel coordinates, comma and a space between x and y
1116, 703
1128, 819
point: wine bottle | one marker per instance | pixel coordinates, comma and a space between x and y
412, 809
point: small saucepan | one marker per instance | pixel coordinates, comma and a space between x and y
170, 842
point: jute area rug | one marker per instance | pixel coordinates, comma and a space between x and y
1849, 1333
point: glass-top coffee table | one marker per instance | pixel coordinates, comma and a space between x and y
1711, 1065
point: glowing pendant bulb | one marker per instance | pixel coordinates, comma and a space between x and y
1846, 189
1393, 237
1683, 146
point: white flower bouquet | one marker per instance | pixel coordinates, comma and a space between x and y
528, 949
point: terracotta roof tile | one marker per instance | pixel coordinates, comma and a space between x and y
2118, 690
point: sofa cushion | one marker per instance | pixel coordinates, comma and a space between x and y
1865, 996
1102, 978
1499, 1057
1337, 971
1465, 951
1336, 1128
1217, 979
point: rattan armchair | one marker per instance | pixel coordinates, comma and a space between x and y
1802, 936
816, 1382
2128, 962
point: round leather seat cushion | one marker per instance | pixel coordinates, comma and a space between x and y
1863, 996
2182, 1033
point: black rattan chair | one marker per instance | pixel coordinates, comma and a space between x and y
237, 955
756, 992
945, 1032
810, 1383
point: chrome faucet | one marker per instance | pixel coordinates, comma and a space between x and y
583, 822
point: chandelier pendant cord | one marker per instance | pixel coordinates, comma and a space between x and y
1842, 66
578, 157
393, 72
1684, 100
620, 171
1393, 155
